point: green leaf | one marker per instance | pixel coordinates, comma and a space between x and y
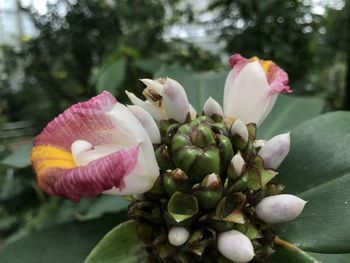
318, 170
70, 242
111, 76
288, 112
119, 245
334, 258
19, 158
292, 255
289, 256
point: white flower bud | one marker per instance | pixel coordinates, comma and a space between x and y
212, 107
175, 100
153, 84
238, 163
275, 150
235, 246
147, 122
178, 236
238, 127
279, 208
193, 112
211, 179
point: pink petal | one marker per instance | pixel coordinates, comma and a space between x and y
278, 80
81, 121
90, 180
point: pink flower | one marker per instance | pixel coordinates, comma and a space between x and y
94, 147
252, 87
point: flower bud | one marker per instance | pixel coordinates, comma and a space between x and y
175, 180
275, 150
147, 122
175, 101
240, 129
238, 164
178, 236
235, 246
211, 191
212, 108
279, 208
202, 136
163, 157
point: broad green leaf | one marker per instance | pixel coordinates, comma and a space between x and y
283, 256
293, 255
111, 76
288, 112
70, 242
119, 245
19, 158
333, 258
318, 170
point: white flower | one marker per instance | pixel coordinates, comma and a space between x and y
235, 246
238, 164
178, 236
275, 150
165, 99
212, 107
239, 128
279, 208
251, 88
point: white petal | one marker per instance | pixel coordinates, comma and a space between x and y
78, 147
238, 127
211, 179
175, 101
235, 246
153, 84
146, 171
193, 112
212, 107
178, 236
155, 112
279, 208
147, 122
275, 150
259, 143
247, 95
238, 163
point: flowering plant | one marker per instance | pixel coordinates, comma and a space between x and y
202, 187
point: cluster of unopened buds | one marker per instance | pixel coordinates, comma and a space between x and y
202, 187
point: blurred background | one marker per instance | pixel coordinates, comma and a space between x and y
54, 53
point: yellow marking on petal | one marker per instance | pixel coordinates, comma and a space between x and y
265, 64
45, 157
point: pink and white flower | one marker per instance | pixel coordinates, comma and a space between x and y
94, 147
252, 87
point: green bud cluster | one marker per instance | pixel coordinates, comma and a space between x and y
199, 190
